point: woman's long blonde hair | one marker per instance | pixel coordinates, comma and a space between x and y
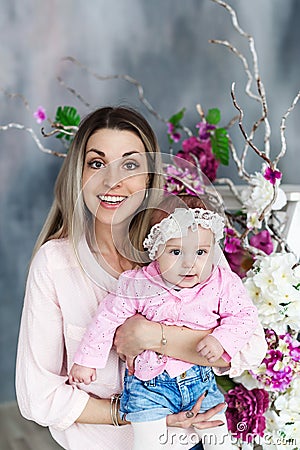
68, 216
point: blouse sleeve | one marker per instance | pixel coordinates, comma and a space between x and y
42, 392
249, 357
112, 312
238, 315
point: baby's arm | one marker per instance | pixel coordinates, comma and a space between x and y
82, 374
238, 315
97, 341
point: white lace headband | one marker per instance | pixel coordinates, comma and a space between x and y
177, 225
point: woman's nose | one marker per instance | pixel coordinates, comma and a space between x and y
111, 177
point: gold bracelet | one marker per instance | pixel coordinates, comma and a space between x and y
163, 337
114, 409
163, 341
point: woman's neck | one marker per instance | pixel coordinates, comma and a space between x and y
110, 245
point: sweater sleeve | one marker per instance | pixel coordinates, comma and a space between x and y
112, 312
42, 392
238, 315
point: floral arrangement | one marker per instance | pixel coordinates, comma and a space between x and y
262, 404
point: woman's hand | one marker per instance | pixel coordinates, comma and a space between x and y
133, 337
197, 420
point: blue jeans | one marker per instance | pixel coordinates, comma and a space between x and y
144, 401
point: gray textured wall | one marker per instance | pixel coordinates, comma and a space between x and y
163, 44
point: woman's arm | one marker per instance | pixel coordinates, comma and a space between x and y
138, 334
42, 393
98, 411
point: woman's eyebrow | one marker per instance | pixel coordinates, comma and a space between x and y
102, 154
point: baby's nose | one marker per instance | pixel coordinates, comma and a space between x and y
188, 261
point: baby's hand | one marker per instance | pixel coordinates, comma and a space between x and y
81, 374
210, 348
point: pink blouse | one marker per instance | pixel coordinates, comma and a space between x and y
220, 302
62, 297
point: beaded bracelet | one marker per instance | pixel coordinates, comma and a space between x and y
114, 409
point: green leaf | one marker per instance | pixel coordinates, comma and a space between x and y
176, 118
220, 145
225, 382
67, 116
213, 116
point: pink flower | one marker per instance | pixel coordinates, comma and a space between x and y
40, 114
174, 175
245, 412
262, 241
204, 130
271, 175
175, 136
201, 149
279, 368
238, 258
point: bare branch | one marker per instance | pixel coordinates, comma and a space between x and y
19, 126
14, 95
125, 77
243, 174
231, 185
73, 91
262, 97
282, 129
249, 141
244, 62
231, 122
200, 112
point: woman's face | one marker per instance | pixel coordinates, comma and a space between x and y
114, 175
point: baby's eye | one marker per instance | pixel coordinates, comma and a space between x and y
96, 164
200, 252
131, 165
175, 252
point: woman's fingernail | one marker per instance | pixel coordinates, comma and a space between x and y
221, 424
205, 393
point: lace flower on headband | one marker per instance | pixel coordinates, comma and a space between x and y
177, 225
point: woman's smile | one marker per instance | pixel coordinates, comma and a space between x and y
111, 201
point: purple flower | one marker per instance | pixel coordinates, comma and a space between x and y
174, 175
271, 175
201, 149
232, 244
279, 368
204, 130
262, 241
40, 114
238, 258
175, 136
245, 412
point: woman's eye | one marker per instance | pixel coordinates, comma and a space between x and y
131, 165
175, 252
200, 252
96, 164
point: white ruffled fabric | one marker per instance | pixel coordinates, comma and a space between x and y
177, 225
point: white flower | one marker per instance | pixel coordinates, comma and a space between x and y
260, 193
253, 220
287, 405
271, 285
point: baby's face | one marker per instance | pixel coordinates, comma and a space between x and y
187, 261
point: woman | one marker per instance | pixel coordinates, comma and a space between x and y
92, 234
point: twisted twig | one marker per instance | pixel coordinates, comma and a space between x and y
19, 126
